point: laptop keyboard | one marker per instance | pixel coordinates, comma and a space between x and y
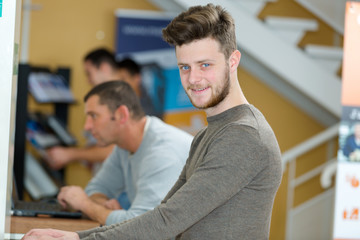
37, 206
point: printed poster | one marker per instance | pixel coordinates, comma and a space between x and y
347, 195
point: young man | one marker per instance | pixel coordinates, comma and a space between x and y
100, 66
227, 187
146, 161
130, 72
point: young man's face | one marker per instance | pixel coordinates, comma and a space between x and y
94, 74
100, 121
204, 73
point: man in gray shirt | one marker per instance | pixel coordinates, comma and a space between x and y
228, 185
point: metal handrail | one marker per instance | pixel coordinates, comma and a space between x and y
310, 144
290, 157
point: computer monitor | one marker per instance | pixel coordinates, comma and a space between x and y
22, 117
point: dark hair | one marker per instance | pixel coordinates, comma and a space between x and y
200, 22
117, 93
130, 65
101, 55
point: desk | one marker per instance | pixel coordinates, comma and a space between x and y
24, 224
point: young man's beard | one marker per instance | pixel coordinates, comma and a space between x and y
220, 94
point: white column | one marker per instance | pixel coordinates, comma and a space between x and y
10, 11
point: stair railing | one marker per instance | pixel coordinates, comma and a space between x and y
289, 157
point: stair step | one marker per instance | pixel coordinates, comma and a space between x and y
291, 22
289, 28
329, 57
330, 64
253, 6
320, 51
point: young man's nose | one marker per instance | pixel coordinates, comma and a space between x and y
195, 76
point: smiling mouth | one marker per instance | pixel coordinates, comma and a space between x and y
199, 89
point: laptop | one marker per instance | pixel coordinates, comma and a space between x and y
48, 207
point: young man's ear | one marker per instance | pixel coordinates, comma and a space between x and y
234, 60
121, 114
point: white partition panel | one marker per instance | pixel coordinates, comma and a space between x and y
9, 51
313, 220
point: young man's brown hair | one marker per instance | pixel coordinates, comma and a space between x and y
200, 22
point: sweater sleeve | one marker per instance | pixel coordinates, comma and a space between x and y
231, 161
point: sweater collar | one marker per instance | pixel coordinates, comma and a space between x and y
227, 116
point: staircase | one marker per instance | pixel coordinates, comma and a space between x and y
307, 76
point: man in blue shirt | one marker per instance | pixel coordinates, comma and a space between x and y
351, 148
145, 163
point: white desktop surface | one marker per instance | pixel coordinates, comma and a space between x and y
13, 236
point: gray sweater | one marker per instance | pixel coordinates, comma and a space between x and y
225, 191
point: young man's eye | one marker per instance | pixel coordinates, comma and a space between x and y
184, 67
205, 64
